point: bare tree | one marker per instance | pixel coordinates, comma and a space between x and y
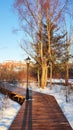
31, 15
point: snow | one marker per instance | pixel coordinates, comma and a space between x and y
8, 111
9, 108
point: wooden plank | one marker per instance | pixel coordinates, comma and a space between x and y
16, 93
40, 113
16, 90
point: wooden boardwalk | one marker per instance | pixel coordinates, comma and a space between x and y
41, 112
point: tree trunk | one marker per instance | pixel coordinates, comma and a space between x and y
50, 75
44, 73
49, 47
67, 74
38, 78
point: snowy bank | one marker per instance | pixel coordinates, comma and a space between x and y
8, 111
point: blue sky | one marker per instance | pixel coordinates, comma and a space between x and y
9, 42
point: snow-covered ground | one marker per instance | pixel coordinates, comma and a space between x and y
9, 108
8, 111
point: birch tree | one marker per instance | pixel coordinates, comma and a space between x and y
31, 15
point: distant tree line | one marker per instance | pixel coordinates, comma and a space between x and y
11, 75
